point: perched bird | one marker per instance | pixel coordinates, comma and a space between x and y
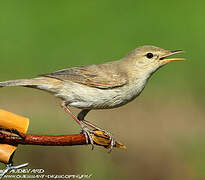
102, 86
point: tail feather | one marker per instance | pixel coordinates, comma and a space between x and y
20, 82
43, 83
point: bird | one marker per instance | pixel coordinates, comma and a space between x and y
102, 86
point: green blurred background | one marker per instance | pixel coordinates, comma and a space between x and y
164, 129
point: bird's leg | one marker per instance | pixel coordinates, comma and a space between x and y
81, 117
85, 130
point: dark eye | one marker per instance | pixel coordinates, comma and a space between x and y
149, 55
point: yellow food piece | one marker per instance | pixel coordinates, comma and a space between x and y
11, 121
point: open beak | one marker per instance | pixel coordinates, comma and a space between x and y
170, 53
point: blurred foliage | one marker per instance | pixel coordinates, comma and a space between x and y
40, 36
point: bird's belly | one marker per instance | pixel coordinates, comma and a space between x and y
85, 97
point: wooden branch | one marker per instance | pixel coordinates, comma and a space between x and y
13, 137
44, 140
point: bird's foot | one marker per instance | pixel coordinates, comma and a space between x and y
89, 135
108, 136
87, 132
111, 138
89, 139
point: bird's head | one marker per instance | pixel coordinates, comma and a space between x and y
147, 59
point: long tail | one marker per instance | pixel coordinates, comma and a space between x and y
44, 83
19, 82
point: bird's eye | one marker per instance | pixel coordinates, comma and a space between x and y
149, 55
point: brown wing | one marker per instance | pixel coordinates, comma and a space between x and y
98, 76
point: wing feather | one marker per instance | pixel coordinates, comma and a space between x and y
98, 76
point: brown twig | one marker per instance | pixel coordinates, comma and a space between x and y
45, 140
13, 137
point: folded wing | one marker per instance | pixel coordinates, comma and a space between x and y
99, 76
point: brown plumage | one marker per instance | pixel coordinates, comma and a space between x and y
98, 76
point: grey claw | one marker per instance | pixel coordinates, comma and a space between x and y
86, 131
112, 141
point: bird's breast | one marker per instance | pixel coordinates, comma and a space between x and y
85, 97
